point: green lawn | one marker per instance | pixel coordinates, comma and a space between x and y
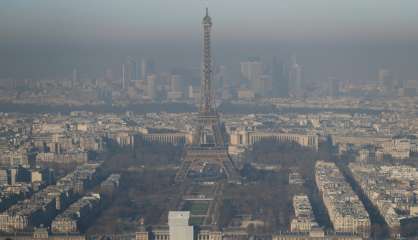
196, 207
196, 220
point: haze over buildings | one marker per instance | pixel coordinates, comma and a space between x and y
328, 40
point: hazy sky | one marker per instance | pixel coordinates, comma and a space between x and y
142, 20
349, 39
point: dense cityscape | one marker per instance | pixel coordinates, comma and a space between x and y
208, 153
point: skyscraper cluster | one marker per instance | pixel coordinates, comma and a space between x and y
276, 80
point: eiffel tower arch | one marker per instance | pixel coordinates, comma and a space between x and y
210, 142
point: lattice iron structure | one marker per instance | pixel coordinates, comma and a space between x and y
209, 139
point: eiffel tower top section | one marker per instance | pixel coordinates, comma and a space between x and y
207, 19
207, 102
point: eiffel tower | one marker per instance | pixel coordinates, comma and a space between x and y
209, 144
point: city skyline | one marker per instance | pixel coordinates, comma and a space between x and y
48, 39
232, 135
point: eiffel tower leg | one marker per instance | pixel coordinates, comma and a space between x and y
183, 171
230, 171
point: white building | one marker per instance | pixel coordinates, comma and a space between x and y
304, 220
179, 228
3, 177
246, 138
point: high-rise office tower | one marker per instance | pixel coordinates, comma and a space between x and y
223, 83
411, 88
177, 83
265, 85
147, 68
130, 70
143, 69
177, 87
123, 76
220, 77
295, 78
332, 87
386, 79
280, 83
108, 77
251, 72
152, 86
74, 79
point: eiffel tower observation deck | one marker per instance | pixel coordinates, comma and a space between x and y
209, 146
